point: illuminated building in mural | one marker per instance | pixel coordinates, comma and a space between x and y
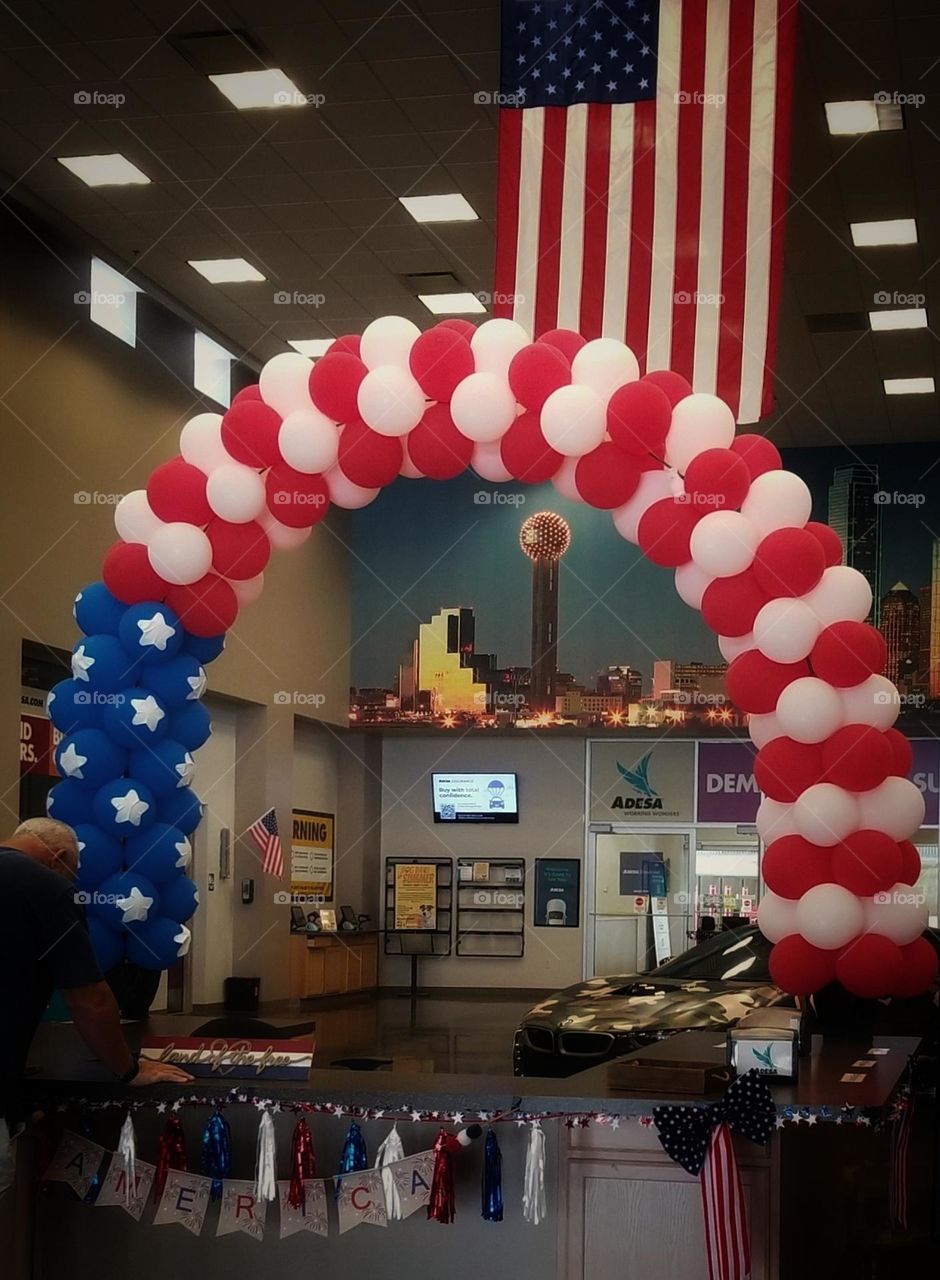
900, 626
442, 667
544, 537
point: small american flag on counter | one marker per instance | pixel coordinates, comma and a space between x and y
264, 832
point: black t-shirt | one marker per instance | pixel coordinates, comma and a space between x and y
44, 945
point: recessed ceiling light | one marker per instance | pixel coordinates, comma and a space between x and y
226, 270
902, 318
847, 119
908, 386
104, 171
452, 304
450, 208
312, 347
892, 231
260, 90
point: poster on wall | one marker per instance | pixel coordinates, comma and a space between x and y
634, 782
415, 896
312, 850
557, 893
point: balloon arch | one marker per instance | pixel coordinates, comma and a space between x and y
837, 810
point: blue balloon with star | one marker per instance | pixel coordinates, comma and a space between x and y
190, 724
151, 632
182, 809
205, 648
135, 718
177, 682
71, 705
179, 899
97, 611
102, 664
158, 944
99, 856
125, 899
71, 802
108, 945
164, 767
90, 756
124, 806
161, 853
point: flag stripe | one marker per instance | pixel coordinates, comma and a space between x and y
617, 281
572, 218
662, 271
786, 56
550, 209
708, 311
530, 184
507, 208
596, 186
727, 1246
688, 191
641, 242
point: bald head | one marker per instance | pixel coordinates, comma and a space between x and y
50, 842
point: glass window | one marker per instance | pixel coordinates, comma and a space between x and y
112, 302
212, 369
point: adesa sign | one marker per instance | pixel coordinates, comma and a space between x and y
633, 781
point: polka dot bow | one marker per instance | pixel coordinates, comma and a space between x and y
684, 1132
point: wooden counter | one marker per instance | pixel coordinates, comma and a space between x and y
333, 964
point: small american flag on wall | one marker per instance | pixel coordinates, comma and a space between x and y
266, 836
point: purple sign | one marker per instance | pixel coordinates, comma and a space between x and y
926, 773
727, 790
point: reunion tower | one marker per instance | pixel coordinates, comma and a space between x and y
544, 537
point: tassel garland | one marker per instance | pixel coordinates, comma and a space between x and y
217, 1151
492, 1178
442, 1205
266, 1162
127, 1150
171, 1154
389, 1151
533, 1195
94, 1187
303, 1164
354, 1157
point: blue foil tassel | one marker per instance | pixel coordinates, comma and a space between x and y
492, 1179
354, 1155
217, 1151
94, 1187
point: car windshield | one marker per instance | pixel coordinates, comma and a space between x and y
732, 955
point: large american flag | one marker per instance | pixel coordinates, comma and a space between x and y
266, 836
643, 158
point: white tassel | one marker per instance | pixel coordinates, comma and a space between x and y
266, 1163
127, 1149
533, 1194
389, 1152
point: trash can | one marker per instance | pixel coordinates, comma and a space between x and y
242, 995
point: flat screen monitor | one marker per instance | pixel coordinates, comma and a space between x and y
474, 797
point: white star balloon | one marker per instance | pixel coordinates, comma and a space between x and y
147, 711
129, 807
184, 853
70, 762
81, 661
197, 686
182, 940
155, 632
135, 907
186, 769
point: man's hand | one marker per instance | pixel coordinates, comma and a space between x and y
151, 1072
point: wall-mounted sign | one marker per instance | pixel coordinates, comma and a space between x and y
642, 872
312, 851
926, 774
635, 782
415, 895
727, 788
557, 893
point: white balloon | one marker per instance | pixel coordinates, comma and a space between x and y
842, 594
653, 487
604, 364
691, 582
483, 407
774, 819
285, 382
763, 729
777, 500
825, 814
900, 913
776, 916
308, 441
896, 807
343, 493
875, 701
179, 552
235, 492
699, 422
732, 647
134, 518
723, 543
494, 343
785, 630
828, 916
388, 340
563, 481
282, 536
390, 401
810, 710
408, 468
573, 420
247, 590
201, 442
487, 462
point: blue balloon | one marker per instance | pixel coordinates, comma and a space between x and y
99, 856
182, 809
205, 648
107, 944
177, 682
158, 944
190, 724
97, 611
102, 664
151, 631
90, 756
125, 806
161, 853
164, 767
72, 705
123, 900
135, 718
71, 802
179, 899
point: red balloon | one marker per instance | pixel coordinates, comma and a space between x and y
754, 683
799, 967
368, 458
334, 385
919, 969
866, 862
791, 866
249, 434
295, 498
440, 359
716, 479
207, 607
784, 768
730, 605
828, 539
870, 966
605, 477
536, 371
251, 392
129, 575
788, 562
664, 532
348, 342
638, 418
846, 653
525, 452
464, 327
238, 550
177, 491
673, 385
757, 453
856, 757
568, 342
910, 862
902, 753
436, 447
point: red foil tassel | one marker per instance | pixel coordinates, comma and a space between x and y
442, 1204
171, 1155
303, 1164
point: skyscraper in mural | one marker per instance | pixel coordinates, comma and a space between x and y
933, 669
855, 514
900, 626
440, 675
544, 537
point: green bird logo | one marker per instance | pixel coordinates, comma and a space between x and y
638, 776
765, 1057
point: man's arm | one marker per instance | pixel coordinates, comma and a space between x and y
95, 1013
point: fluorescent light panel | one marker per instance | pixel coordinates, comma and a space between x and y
226, 270
104, 171
312, 347
113, 302
848, 119
447, 208
452, 304
900, 318
866, 235
908, 386
260, 90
